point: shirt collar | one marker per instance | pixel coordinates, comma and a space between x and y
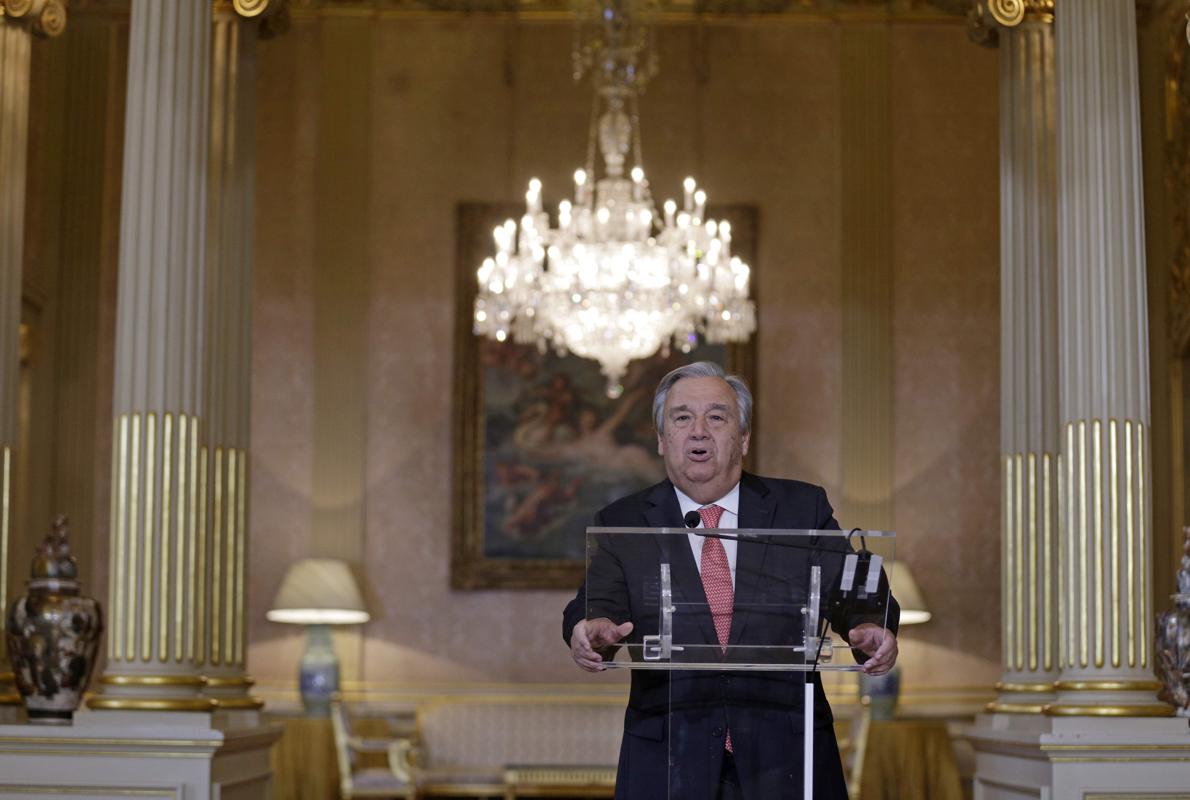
729, 502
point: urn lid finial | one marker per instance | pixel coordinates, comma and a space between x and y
53, 558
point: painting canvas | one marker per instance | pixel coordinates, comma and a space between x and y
540, 447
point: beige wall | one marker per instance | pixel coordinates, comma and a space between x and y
469, 109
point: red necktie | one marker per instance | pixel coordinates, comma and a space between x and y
716, 582
716, 576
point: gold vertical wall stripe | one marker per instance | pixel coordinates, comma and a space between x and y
1142, 547
1063, 550
216, 558
229, 570
120, 536
1071, 589
1047, 563
1129, 541
133, 537
146, 634
113, 544
5, 514
1114, 517
1032, 584
1019, 566
184, 480
1006, 602
166, 542
192, 615
1082, 540
1099, 599
241, 546
201, 615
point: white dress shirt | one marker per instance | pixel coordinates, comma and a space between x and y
730, 503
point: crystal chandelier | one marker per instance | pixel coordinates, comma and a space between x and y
614, 280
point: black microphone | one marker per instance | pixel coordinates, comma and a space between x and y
692, 519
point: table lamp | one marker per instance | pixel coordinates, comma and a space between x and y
881, 692
318, 593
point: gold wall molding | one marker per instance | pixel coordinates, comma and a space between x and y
950, 11
42, 17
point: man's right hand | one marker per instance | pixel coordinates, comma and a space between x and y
592, 635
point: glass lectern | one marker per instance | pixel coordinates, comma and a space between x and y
734, 675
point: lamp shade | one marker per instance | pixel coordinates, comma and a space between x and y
319, 591
905, 589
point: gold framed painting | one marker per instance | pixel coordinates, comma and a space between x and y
538, 445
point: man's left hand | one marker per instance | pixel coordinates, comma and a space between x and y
880, 644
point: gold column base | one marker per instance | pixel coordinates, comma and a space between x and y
101, 703
232, 692
1071, 710
1141, 704
1003, 706
163, 684
998, 707
248, 703
1107, 686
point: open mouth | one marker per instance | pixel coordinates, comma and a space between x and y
698, 454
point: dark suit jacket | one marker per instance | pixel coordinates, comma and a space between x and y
676, 721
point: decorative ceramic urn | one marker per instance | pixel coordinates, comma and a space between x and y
1173, 642
53, 634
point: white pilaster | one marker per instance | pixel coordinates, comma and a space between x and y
156, 631
1028, 365
229, 258
1105, 650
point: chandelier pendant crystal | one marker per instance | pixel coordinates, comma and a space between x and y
614, 280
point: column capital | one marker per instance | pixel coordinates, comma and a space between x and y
273, 15
986, 19
42, 17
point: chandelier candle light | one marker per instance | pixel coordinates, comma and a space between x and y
614, 280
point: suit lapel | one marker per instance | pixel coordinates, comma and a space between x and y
664, 512
757, 509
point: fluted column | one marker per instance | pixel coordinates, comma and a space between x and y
19, 20
229, 258
1028, 357
1105, 646
156, 636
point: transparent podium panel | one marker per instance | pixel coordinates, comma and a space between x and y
729, 628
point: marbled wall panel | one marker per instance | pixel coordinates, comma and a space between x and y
282, 338
469, 110
946, 328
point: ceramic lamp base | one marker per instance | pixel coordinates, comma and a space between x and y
881, 693
318, 673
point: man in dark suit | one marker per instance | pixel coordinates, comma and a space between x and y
709, 735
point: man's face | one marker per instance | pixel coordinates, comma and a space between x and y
701, 442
